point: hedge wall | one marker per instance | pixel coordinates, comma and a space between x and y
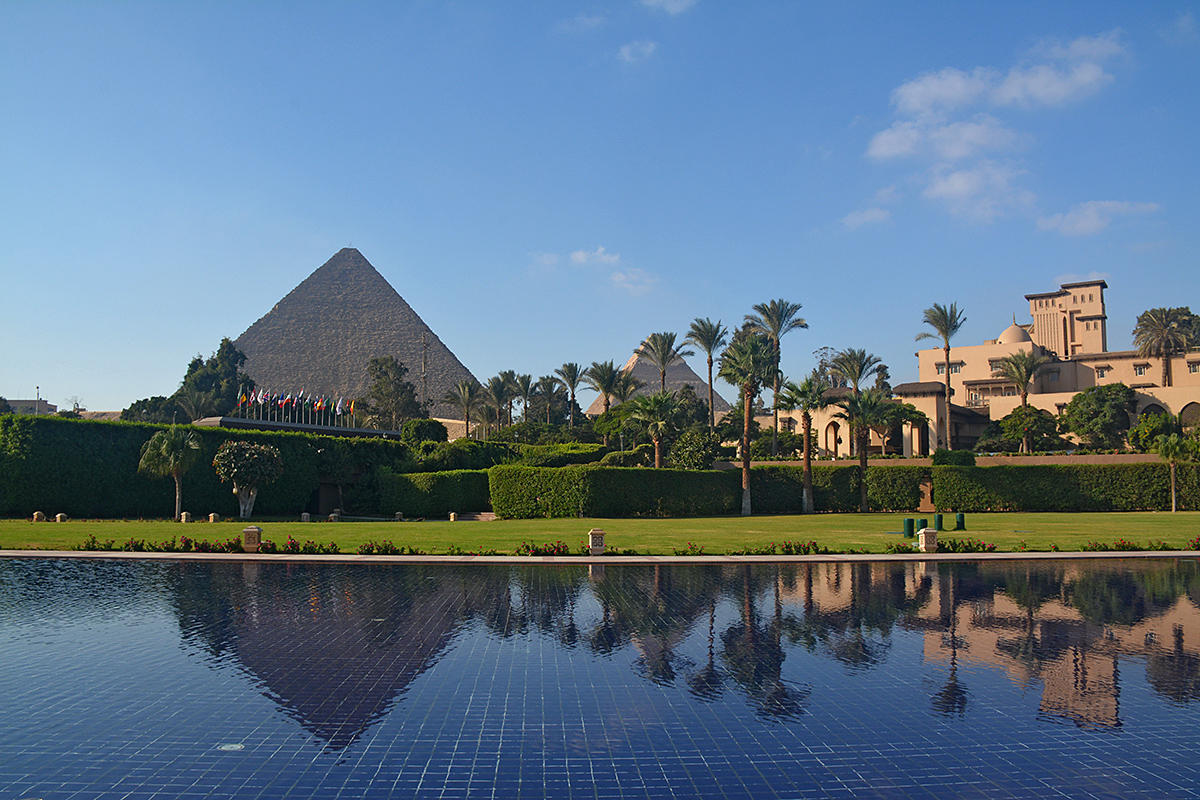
895, 488
558, 455
520, 492
1065, 487
432, 494
780, 489
88, 469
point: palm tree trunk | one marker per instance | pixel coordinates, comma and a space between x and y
572, 409
863, 505
179, 495
949, 445
658, 453
712, 419
746, 453
1172, 487
775, 389
806, 419
1166, 359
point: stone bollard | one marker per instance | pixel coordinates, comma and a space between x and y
596, 542
927, 540
251, 539
334, 517
399, 516
305, 517
453, 517
186, 516
214, 517
60, 517
38, 516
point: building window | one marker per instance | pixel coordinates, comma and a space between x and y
1053, 377
941, 369
955, 369
1089, 297
1101, 372
1194, 367
1139, 369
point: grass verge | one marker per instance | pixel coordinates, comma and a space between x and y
717, 535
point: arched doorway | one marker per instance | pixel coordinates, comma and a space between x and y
1152, 408
832, 439
1190, 415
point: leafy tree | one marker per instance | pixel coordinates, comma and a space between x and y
691, 409
415, 431
510, 379
1033, 428
1149, 427
862, 412
946, 322
710, 337
466, 396
808, 396
248, 466
220, 377
894, 416
171, 453
883, 380
773, 320
390, 400
68, 413
695, 448
657, 414
824, 369
749, 364
570, 375
159, 409
5, 408
1173, 449
1099, 415
660, 350
1164, 332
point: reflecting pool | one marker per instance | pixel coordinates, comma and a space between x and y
126, 679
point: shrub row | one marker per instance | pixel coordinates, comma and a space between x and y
520, 492
432, 494
558, 455
1065, 487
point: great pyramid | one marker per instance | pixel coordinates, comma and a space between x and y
677, 375
321, 336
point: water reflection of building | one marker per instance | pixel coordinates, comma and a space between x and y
1067, 629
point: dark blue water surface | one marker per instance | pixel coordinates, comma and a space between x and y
126, 679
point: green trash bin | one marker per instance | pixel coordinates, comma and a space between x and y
922, 524
960, 521
908, 528
937, 522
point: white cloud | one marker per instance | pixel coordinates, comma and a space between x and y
1085, 48
634, 52
582, 22
888, 194
949, 141
1050, 85
980, 193
672, 7
633, 280
1182, 31
1093, 216
856, 219
598, 256
939, 91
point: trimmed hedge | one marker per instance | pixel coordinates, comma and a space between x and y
1065, 487
432, 494
558, 455
895, 488
520, 492
88, 469
780, 489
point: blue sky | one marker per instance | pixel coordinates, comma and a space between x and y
551, 182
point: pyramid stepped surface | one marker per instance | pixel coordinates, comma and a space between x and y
323, 334
678, 375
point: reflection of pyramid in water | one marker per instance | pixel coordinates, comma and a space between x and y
323, 334
339, 668
678, 374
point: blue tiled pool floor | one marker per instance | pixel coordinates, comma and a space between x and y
125, 680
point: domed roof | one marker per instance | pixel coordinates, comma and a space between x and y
1014, 334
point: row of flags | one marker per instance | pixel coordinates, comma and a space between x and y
310, 402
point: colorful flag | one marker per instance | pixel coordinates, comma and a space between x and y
339, 407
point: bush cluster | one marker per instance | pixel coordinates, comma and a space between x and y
1064, 487
432, 494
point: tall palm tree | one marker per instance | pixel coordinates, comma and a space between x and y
854, 366
465, 396
509, 376
499, 394
749, 364
626, 387
809, 396
660, 350
570, 375
658, 413
524, 390
710, 337
171, 453
1161, 333
1020, 368
1174, 449
602, 376
545, 388
946, 322
862, 412
773, 320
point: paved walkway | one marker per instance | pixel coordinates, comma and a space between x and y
352, 558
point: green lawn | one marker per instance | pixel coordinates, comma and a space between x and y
646, 536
